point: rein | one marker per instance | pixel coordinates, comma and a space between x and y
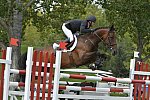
92, 41
99, 37
105, 39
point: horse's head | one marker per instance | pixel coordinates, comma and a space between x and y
107, 36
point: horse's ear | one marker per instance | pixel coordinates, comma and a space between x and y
112, 28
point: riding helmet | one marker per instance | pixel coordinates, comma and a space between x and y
91, 18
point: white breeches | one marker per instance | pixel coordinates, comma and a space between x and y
67, 32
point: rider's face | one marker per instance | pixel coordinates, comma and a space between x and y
90, 23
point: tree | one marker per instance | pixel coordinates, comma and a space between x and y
131, 16
48, 17
44, 14
48, 23
11, 19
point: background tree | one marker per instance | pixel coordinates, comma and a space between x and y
44, 14
48, 16
38, 23
11, 19
50, 34
133, 17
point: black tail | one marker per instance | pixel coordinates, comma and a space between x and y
22, 61
22, 65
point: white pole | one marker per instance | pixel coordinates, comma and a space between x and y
57, 75
28, 73
11, 97
132, 68
7, 74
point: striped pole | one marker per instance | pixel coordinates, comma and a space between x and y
77, 88
83, 77
17, 84
94, 89
106, 79
15, 71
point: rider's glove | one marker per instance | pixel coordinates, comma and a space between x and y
92, 30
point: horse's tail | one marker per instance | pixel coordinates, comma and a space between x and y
22, 61
22, 66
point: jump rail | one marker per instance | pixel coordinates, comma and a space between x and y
31, 70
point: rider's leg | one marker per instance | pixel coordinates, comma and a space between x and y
67, 32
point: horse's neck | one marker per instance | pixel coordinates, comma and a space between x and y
102, 34
95, 38
89, 41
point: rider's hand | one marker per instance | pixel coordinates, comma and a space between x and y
92, 30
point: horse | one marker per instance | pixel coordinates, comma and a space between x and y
86, 49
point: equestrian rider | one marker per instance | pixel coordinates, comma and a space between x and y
73, 26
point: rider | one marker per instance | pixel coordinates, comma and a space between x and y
73, 26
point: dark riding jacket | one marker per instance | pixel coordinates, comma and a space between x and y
77, 25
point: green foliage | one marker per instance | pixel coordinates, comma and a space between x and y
3, 8
119, 94
92, 9
54, 13
119, 64
3, 15
4, 37
47, 17
48, 22
31, 37
40, 39
130, 16
42, 22
44, 28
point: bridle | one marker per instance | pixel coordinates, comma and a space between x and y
109, 37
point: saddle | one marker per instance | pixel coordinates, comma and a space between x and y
69, 44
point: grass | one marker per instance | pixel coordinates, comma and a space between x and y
18, 98
118, 94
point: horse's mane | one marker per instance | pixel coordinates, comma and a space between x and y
87, 34
104, 27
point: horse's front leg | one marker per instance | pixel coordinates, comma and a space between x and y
85, 58
89, 57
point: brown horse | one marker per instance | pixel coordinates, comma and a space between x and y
86, 49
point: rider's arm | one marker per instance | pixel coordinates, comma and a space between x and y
84, 29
